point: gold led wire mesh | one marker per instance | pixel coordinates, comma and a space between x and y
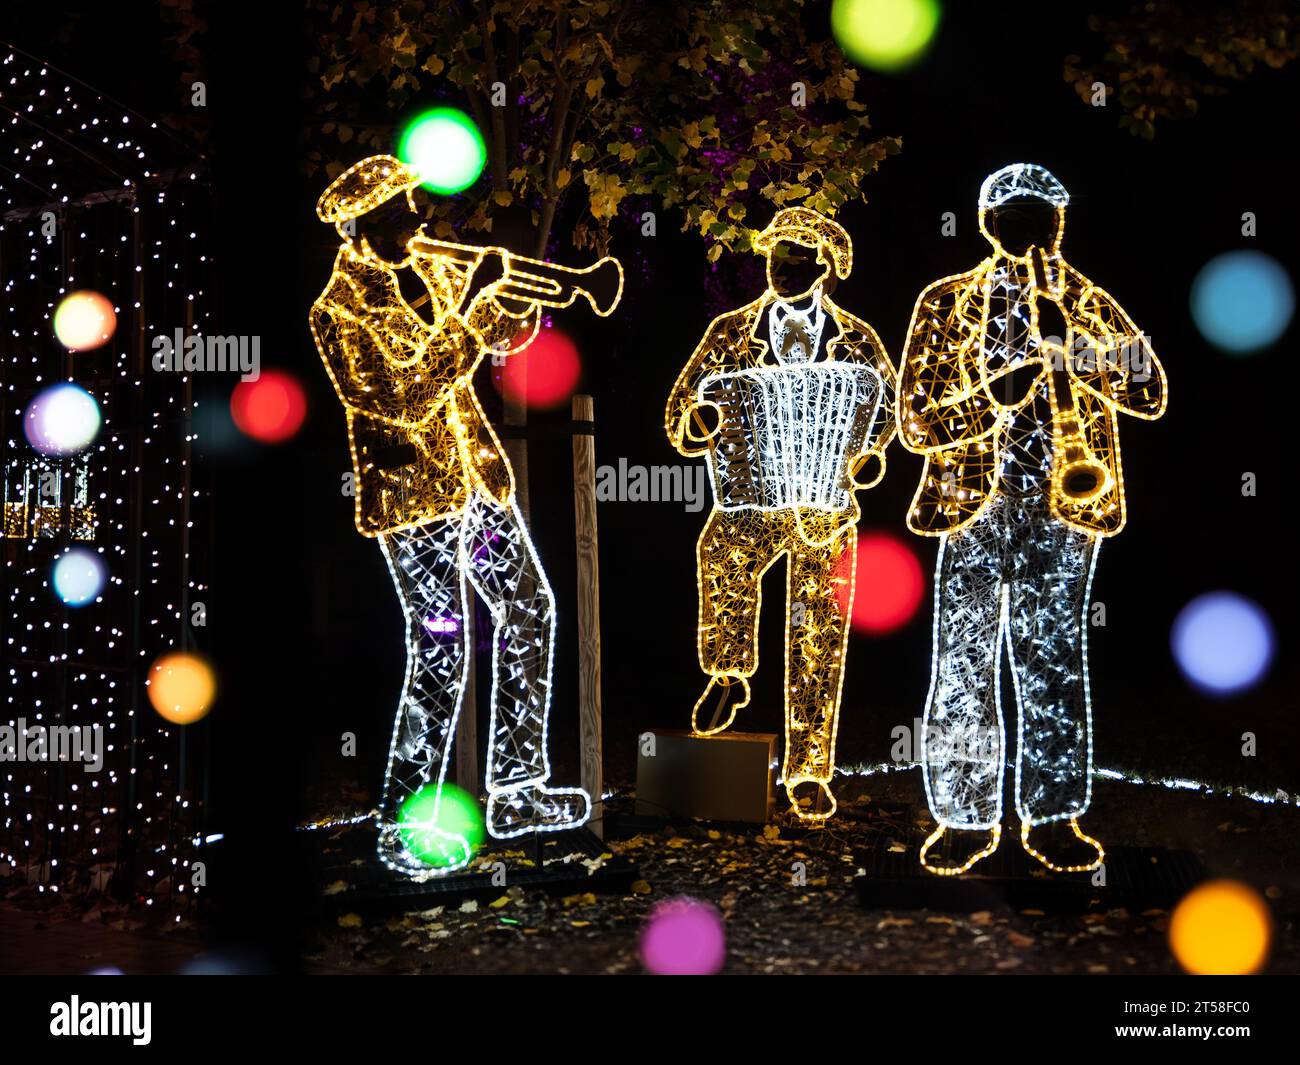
433, 484
793, 428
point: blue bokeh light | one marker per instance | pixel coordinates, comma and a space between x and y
1223, 642
1242, 301
78, 576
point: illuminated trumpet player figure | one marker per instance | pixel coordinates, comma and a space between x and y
1012, 381
789, 397
401, 326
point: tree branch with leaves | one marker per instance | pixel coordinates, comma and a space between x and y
722, 110
1161, 58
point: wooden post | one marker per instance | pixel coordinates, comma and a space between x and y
515, 415
584, 508
466, 741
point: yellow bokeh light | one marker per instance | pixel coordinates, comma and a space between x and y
1221, 928
181, 688
886, 35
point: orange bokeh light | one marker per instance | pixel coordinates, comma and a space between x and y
270, 409
84, 320
545, 374
889, 584
181, 688
1222, 928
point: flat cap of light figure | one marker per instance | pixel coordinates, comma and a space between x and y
803, 225
1022, 180
364, 186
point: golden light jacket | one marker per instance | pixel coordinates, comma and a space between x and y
732, 343
420, 442
947, 413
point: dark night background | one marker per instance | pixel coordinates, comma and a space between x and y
304, 623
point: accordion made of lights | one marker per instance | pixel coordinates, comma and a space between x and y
787, 434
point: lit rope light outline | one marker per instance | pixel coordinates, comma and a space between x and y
1280, 797
458, 338
865, 771
730, 345
978, 403
984, 423
414, 620
832, 487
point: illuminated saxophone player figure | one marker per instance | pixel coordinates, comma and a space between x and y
790, 397
401, 326
1012, 379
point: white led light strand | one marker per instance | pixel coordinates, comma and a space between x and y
1022, 488
435, 487
487, 547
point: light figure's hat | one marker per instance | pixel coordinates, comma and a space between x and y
803, 225
1020, 180
364, 186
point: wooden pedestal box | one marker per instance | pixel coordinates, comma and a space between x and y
727, 777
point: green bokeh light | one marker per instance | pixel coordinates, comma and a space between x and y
885, 35
445, 147
440, 823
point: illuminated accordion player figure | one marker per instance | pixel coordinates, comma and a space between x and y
786, 434
790, 397
1012, 380
401, 327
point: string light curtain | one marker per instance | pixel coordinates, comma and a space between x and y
96, 198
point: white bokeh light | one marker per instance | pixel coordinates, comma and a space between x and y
78, 576
62, 420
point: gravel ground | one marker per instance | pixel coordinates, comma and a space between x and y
776, 926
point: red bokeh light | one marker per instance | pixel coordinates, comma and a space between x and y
889, 584
270, 409
545, 374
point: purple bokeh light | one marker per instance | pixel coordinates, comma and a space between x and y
684, 937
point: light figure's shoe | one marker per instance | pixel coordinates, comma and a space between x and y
536, 808
804, 795
1061, 851
446, 852
962, 848
726, 682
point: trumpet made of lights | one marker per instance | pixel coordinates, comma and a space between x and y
1021, 488
433, 484
536, 281
801, 396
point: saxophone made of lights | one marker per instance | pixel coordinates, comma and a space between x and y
1077, 474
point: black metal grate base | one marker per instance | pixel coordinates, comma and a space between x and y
1136, 878
552, 862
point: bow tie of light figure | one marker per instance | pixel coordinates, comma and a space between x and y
791, 400
401, 327
1012, 382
